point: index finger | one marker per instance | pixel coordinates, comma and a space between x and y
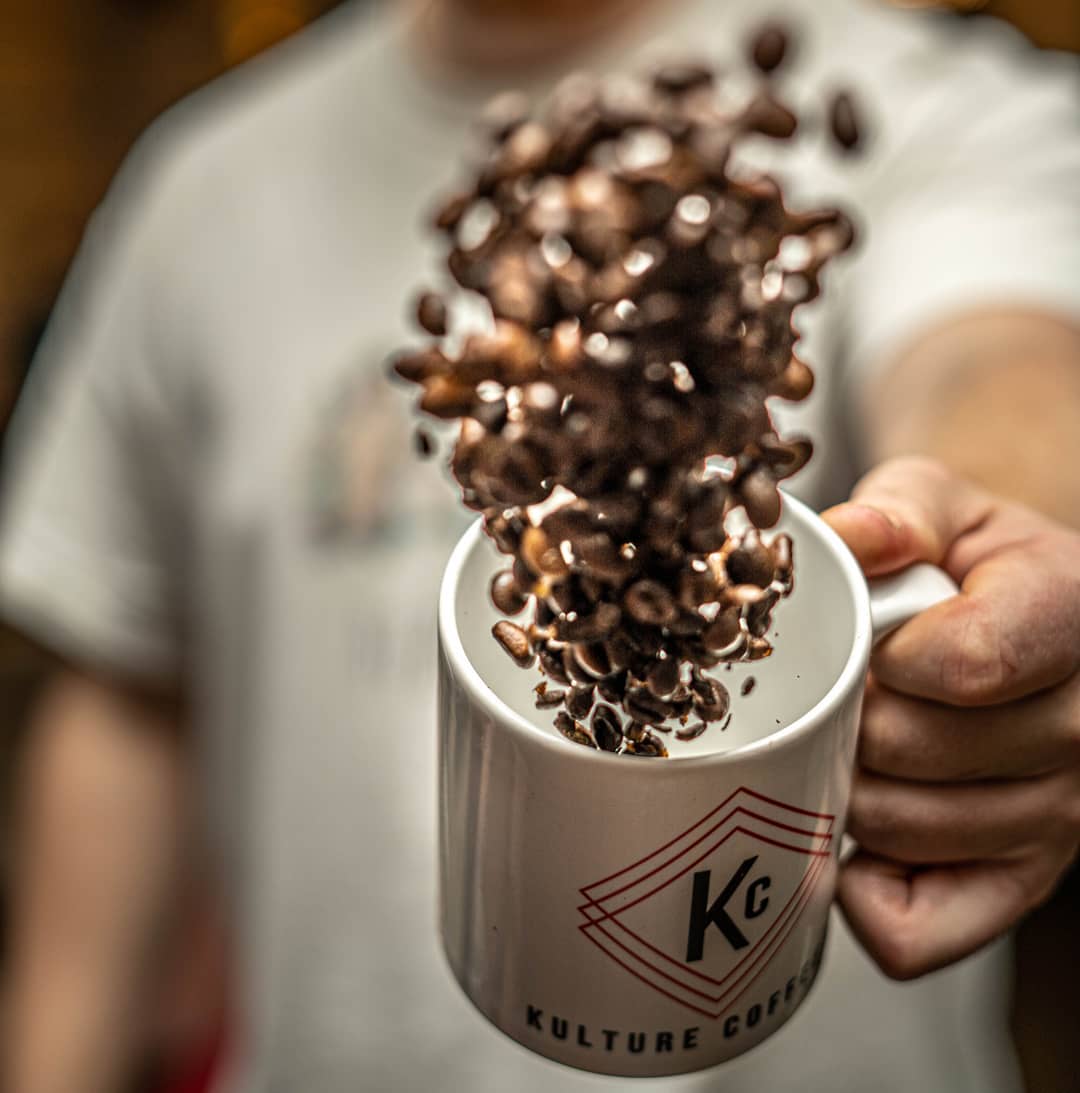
1014, 630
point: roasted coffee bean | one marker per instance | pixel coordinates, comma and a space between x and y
843, 121
662, 676
750, 563
420, 365
697, 586
573, 669
612, 688
711, 699
547, 698
721, 634
687, 624
606, 728
425, 446
515, 641
544, 614
642, 705
748, 686
782, 557
552, 665
579, 700
643, 304
431, 313
759, 615
446, 398
593, 658
759, 496
572, 730
692, 731
491, 414
650, 746
650, 602
795, 382
522, 577
770, 117
768, 48
505, 531
506, 595
599, 625
541, 555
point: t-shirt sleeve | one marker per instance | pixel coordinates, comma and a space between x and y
93, 524
971, 189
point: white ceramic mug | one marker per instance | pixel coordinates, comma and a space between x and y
638, 916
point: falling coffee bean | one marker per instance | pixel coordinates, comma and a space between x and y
606, 728
843, 121
643, 303
515, 641
768, 48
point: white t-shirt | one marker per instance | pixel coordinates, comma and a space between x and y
213, 478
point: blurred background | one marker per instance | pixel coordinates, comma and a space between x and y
79, 80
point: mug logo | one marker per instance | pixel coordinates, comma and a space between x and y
701, 917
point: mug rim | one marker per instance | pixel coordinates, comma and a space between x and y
819, 714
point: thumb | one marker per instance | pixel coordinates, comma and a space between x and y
904, 511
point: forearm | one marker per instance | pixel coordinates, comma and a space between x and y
100, 836
996, 397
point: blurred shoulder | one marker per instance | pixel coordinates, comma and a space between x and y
283, 115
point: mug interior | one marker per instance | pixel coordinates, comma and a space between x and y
818, 632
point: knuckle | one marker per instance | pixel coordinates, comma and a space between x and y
981, 664
898, 954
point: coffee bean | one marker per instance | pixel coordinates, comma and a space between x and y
650, 602
692, 731
420, 365
643, 306
644, 706
843, 121
750, 563
770, 117
589, 628
650, 745
431, 313
572, 730
607, 728
768, 48
446, 398
552, 665
579, 700
748, 686
593, 659
542, 556
720, 634
549, 697
711, 699
515, 641
612, 688
505, 593
758, 494
425, 446
662, 676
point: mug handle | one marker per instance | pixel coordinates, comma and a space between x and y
902, 596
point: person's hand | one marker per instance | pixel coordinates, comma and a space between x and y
966, 801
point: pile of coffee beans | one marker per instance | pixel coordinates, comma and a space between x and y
642, 293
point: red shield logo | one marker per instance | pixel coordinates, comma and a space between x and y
701, 917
